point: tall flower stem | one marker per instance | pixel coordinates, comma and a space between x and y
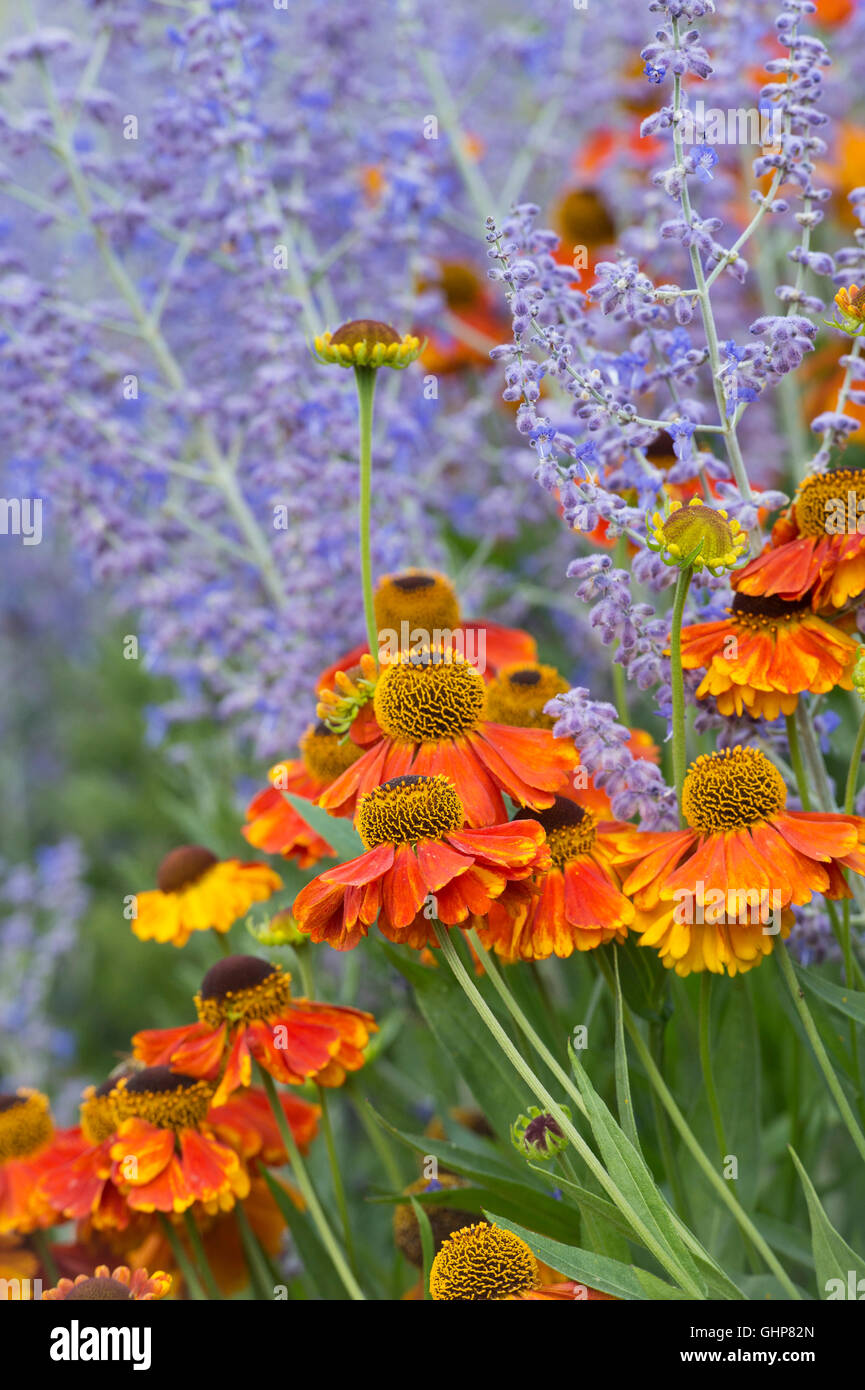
786, 966
680, 755
184, 1262
796, 760
336, 1177
706, 1063
521, 1066
304, 1182
46, 1258
365, 378
192, 1231
853, 770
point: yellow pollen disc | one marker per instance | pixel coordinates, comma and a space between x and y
428, 696
482, 1263
570, 829
407, 809
518, 694
25, 1124
823, 504
423, 600
721, 541
327, 755
98, 1116
242, 988
164, 1098
731, 790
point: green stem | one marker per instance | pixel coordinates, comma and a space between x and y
680, 756
304, 1182
706, 1063
43, 1250
515, 1057
662, 1125
796, 760
853, 772
365, 378
257, 1262
197, 1244
222, 941
184, 1263
336, 1177
820, 1053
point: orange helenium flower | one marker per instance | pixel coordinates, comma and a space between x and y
765, 654
710, 896
273, 824
28, 1146
577, 903
245, 1012
115, 1285
195, 892
816, 546
429, 712
416, 846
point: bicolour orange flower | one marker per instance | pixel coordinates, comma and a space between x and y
113, 1285
413, 606
760, 659
429, 715
195, 892
246, 1012
817, 547
145, 1146
29, 1145
577, 903
273, 824
714, 895
412, 827
246, 1123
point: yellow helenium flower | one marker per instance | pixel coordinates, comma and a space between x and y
367, 343
196, 892
482, 1263
851, 303
698, 536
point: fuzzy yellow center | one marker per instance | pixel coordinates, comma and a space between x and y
518, 694
732, 790
242, 988
25, 1124
164, 1098
98, 1115
570, 829
482, 1264
765, 612
422, 600
825, 501
327, 755
407, 809
428, 696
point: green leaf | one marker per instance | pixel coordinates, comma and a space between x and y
597, 1271
644, 981
628, 1169
847, 1001
833, 1258
465, 1042
623, 1082
339, 832
317, 1265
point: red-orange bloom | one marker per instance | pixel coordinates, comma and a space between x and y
246, 1012
715, 895
246, 1123
273, 824
417, 852
429, 712
28, 1146
577, 903
114, 1285
819, 545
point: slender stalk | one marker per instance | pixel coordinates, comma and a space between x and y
796, 994
365, 378
210, 1284
853, 770
46, 1258
184, 1263
304, 1182
523, 1069
796, 760
336, 1177
706, 1063
662, 1125
257, 1263
680, 755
